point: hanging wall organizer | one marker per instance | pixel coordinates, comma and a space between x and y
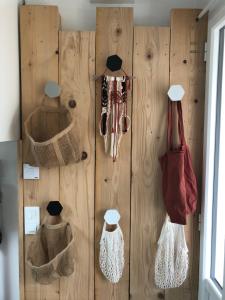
56, 145
132, 185
51, 254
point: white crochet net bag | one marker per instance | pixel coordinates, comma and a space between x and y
171, 264
111, 258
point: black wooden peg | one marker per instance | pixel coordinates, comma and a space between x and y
54, 208
114, 63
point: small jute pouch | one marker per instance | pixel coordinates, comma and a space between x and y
51, 254
53, 136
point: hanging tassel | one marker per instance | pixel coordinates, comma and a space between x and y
104, 124
114, 120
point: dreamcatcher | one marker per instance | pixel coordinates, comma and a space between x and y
114, 122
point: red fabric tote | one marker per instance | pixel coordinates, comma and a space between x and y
178, 181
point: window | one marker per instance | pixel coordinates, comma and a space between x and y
212, 270
218, 220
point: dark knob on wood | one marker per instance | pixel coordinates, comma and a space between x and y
114, 63
161, 296
118, 31
84, 155
54, 208
72, 103
185, 61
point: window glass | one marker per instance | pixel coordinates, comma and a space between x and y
218, 236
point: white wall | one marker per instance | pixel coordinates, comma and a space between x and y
9, 130
9, 71
80, 14
9, 250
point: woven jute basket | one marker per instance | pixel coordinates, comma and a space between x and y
50, 255
52, 135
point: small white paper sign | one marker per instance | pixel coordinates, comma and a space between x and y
30, 172
31, 219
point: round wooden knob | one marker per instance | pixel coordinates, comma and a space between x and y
72, 103
84, 155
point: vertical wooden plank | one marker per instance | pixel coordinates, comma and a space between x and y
187, 67
77, 68
114, 35
151, 70
39, 27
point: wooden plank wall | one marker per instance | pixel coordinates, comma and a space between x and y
151, 70
77, 68
187, 67
114, 35
39, 26
72, 185
133, 183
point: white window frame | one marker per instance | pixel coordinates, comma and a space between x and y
207, 287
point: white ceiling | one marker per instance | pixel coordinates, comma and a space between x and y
80, 14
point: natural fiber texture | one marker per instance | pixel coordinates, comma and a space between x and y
114, 121
52, 136
111, 258
171, 264
51, 254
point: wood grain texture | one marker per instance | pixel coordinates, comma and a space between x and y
114, 35
151, 70
91, 187
39, 27
77, 68
187, 67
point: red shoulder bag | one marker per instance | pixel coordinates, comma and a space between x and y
178, 180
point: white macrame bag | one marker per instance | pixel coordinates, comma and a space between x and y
171, 264
111, 258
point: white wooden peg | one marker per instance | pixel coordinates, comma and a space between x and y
52, 89
112, 216
176, 92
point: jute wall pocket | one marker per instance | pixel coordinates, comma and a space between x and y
53, 136
51, 254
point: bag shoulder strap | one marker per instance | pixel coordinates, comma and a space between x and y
170, 124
